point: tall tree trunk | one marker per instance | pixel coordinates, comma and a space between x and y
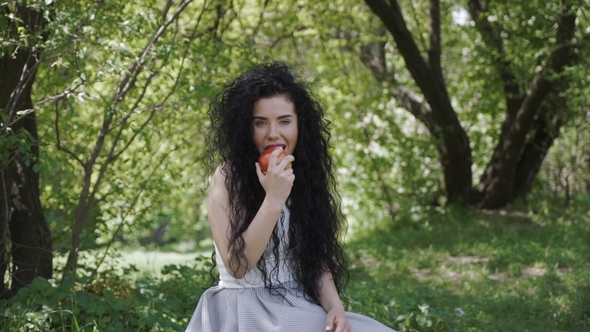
439, 115
22, 216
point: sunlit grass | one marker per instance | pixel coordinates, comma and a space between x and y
150, 263
147, 261
459, 271
498, 272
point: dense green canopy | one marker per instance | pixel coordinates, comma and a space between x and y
430, 102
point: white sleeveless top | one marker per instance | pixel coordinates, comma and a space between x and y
254, 277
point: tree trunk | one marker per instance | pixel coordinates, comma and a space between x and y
588, 164
25, 233
498, 181
546, 129
440, 118
515, 161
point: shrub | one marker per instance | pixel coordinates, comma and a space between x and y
111, 301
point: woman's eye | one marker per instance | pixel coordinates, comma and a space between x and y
285, 122
259, 123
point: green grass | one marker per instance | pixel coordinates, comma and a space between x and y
148, 262
505, 272
430, 270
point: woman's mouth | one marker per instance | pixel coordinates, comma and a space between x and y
277, 145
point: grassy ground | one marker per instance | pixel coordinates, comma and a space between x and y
433, 270
148, 262
505, 271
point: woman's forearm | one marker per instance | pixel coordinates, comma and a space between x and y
329, 297
257, 235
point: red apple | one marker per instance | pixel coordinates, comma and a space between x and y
265, 157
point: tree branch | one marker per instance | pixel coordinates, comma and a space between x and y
491, 36
60, 147
545, 130
373, 56
453, 146
128, 211
421, 41
112, 155
502, 167
435, 94
542, 82
126, 84
434, 52
24, 82
128, 81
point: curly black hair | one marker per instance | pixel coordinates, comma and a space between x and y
316, 219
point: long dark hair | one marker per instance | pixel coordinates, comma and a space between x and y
316, 219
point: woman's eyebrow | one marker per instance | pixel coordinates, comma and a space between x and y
280, 117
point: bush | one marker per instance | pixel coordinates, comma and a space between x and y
111, 301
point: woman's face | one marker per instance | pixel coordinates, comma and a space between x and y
275, 124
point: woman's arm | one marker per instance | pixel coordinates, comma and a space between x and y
330, 300
277, 183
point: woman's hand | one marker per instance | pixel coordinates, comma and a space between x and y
278, 181
337, 321
330, 300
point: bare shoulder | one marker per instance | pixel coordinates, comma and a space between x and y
220, 174
218, 195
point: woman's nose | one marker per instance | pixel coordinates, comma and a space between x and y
273, 131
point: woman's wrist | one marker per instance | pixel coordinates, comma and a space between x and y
273, 204
334, 305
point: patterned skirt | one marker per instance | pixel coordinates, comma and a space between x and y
260, 309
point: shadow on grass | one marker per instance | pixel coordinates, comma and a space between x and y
505, 273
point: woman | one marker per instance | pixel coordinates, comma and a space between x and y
275, 233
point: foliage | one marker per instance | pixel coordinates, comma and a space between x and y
153, 130
112, 301
385, 157
504, 271
21, 141
153, 193
404, 313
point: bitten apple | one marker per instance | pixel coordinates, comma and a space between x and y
265, 157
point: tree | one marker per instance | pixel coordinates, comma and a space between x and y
135, 79
100, 75
115, 122
25, 238
533, 105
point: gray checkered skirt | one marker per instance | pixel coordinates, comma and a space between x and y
254, 309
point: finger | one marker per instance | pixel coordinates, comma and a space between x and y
276, 153
259, 171
340, 327
285, 161
273, 159
330, 322
337, 327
